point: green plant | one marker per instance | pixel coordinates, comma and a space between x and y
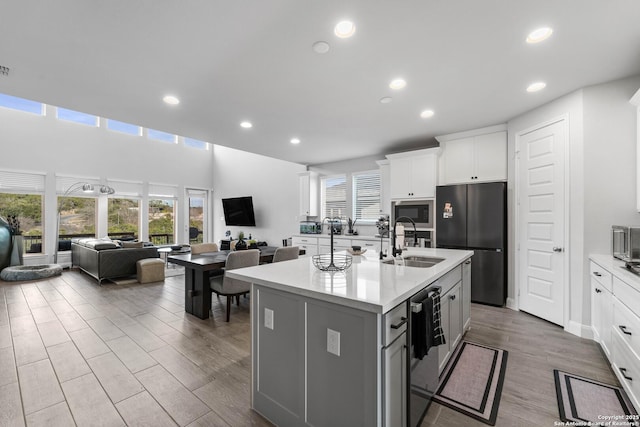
241, 235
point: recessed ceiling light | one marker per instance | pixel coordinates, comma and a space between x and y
171, 100
246, 125
426, 114
295, 140
386, 100
321, 47
534, 87
397, 84
344, 29
536, 36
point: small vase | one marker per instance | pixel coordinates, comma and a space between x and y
18, 250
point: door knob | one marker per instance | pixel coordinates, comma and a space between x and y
557, 249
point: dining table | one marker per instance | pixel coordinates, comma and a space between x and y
197, 268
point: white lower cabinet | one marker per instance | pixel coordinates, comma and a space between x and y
394, 360
615, 319
309, 244
601, 314
451, 319
324, 245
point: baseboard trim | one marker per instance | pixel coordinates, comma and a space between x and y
580, 330
511, 303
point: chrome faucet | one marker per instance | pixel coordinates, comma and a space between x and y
398, 251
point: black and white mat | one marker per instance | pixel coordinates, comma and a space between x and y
584, 401
472, 381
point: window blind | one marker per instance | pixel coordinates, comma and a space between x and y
334, 196
64, 183
22, 181
366, 195
163, 191
126, 188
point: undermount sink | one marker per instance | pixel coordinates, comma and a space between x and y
417, 261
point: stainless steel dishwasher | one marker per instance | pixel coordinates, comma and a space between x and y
423, 373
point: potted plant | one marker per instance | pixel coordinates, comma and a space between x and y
241, 243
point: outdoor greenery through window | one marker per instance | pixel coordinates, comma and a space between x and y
77, 217
27, 208
196, 218
161, 221
334, 196
366, 196
124, 215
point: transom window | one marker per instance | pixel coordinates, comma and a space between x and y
77, 117
194, 143
158, 135
123, 127
21, 104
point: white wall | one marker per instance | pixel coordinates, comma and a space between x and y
272, 183
610, 166
601, 180
46, 145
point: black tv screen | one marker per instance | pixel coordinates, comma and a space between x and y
239, 211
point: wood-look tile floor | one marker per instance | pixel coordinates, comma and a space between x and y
536, 348
75, 353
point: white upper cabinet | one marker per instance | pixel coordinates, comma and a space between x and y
474, 156
635, 100
413, 174
308, 194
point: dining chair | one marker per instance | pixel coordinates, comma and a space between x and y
286, 253
226, 286
201, 248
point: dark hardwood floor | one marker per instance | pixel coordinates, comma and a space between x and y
75, 353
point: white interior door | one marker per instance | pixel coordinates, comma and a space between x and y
541, 205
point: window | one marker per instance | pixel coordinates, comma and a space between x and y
77, 117
21, 104
197, 214
77, 218
194, 143
124, 215
122, 127
366, 196
334, 196
27, 208
161, 221
23, 197
161, 136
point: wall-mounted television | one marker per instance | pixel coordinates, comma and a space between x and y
239, 211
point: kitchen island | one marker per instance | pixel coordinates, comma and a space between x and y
331, 348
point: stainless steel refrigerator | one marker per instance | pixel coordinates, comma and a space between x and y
474, 216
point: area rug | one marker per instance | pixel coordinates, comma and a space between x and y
584, 401
471, 383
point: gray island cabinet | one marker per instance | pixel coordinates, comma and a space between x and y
330, 349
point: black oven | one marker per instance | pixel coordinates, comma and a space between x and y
420, 211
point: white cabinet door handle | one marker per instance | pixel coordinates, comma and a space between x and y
557, 249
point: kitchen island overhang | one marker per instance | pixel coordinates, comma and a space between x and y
324, 351
368, 284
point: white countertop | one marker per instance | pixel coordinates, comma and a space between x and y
617, 268
342, 236
367, 285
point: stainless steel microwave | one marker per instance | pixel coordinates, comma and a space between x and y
626, 242
419, 211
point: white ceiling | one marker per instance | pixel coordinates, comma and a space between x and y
230, 61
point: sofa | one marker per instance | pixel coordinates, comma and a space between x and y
107, 259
